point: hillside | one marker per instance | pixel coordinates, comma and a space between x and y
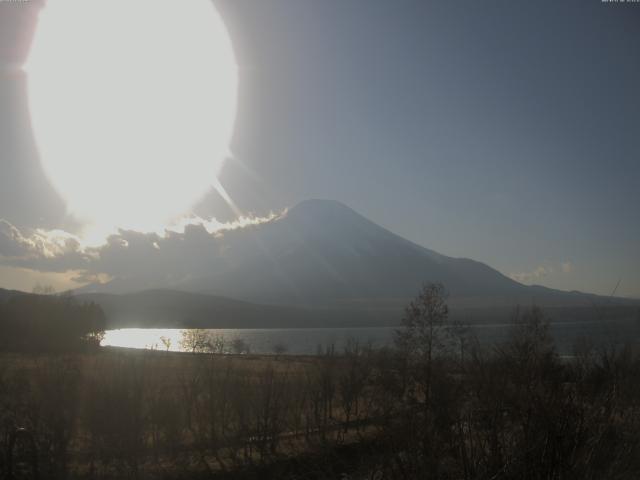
176, 309
322, 253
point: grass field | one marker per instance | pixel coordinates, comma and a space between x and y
119, 412
451, 409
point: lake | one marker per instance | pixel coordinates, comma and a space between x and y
305, 341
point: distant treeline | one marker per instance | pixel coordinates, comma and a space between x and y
49, 323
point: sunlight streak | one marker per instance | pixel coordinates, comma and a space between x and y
225, 196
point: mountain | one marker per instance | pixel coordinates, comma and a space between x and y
176, 309
322, 253
7, 294
322, 264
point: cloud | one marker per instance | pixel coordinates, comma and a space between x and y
191, 247
534, 275
214, 226
12, 243
21, 248
541, 272
567, 267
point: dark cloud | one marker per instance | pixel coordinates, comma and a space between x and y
167, 259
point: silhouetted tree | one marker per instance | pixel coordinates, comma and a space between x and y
39, 322
280, 348
239, 345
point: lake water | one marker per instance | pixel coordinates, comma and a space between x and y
304, 341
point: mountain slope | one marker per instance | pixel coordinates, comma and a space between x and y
176, 309
7, 294
322, 251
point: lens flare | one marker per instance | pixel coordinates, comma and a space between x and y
132, 104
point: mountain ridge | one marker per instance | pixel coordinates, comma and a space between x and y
322, 253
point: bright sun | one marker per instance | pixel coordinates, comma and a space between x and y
133, 104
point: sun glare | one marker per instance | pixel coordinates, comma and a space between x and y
132, 104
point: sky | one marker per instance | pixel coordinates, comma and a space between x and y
503, 131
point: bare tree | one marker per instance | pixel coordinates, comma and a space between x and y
41, 289
195, 340
239, 345
423, 322
423, 335
166, 341
280, 348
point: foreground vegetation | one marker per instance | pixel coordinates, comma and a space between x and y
437, 405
